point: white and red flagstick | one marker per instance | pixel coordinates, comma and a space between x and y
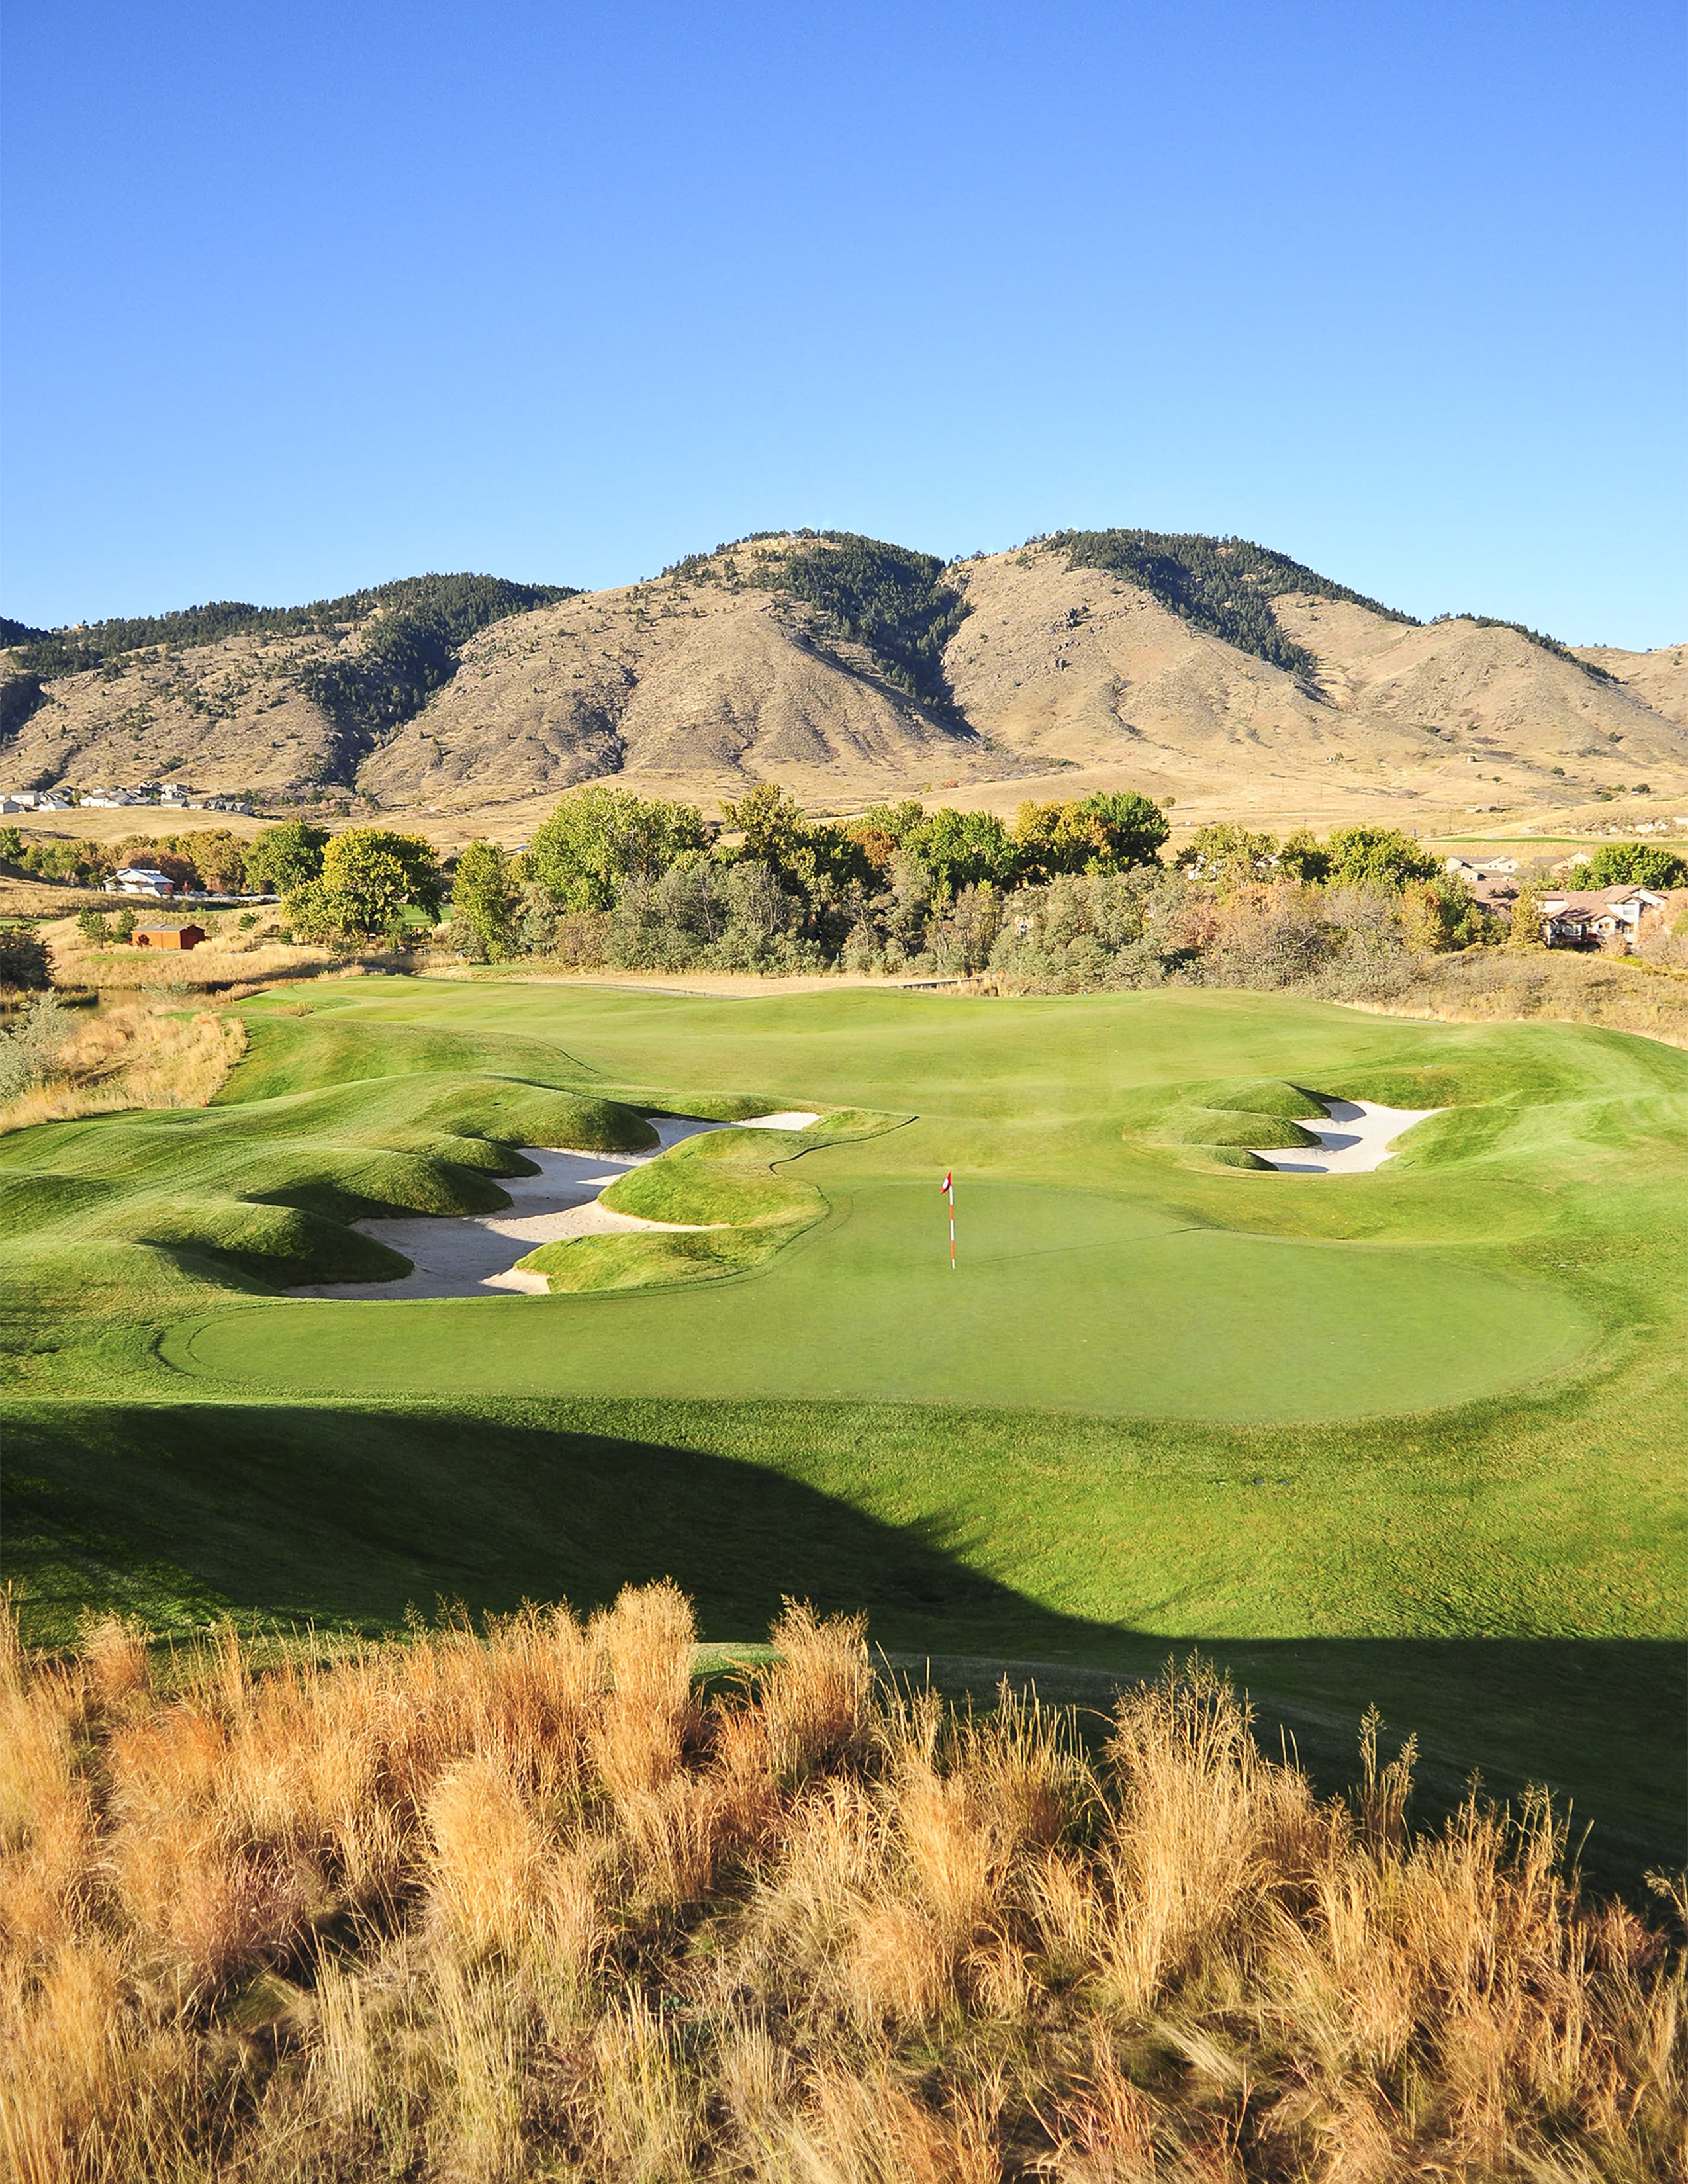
948, 1185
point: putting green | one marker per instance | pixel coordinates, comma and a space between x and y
1068, 1299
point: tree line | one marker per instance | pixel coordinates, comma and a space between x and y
1071, 894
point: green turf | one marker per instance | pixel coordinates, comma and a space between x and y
1067, 1299
1410, 1437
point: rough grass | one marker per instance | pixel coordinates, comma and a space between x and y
536, 1903
132, 1057
1491, 985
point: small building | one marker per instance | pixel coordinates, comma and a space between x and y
169, 936
140, 879
1600, 917
1473, 869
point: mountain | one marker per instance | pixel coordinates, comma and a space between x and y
1212, 670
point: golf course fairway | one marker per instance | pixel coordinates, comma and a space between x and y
1410, 1438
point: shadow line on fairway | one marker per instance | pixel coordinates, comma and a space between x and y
348, 1516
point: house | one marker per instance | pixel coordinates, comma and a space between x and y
53, 799
169, 936
140, 879
1473, 869
1497, 894
1601, 917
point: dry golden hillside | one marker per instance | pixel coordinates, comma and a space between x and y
1004, 675
1073, 666
701, 687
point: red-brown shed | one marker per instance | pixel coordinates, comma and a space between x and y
169, 936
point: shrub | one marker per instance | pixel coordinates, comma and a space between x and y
23, 958
1635, 864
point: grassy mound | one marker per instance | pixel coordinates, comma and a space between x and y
581, 1265
805, 1925
263, 1183
736, 1185
1227, 1126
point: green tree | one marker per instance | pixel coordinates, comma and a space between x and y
91, 925
485, 897
1525, 930
598, 836
1377, 856
23, 958
1442, 914
283, 858
1303, 859
11, 846
963, 850
775, 834
1226, 855
369, 875
1099, 834
1634, 864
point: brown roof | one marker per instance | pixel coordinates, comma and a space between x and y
1591, 902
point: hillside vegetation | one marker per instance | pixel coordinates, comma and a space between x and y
539, 1905
1213, 669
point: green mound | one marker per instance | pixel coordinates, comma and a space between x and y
1221, 1125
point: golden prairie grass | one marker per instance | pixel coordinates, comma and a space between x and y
527, 1903
132, 1056
215, 963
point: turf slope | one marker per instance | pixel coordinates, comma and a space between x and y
1409, 1437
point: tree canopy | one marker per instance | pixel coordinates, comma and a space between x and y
1634, 864
598, 836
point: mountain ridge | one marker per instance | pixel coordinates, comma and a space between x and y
845, 665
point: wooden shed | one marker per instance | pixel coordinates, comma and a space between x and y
169, 936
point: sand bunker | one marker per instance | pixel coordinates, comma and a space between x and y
1359, 1137
476, 1255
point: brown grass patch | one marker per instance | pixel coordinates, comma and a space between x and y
522, 1903
132, 1056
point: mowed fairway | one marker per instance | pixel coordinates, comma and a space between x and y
1065, 1299
1410, 1437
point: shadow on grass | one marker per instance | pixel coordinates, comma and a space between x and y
348, 1517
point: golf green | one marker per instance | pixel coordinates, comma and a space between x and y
1064, 1298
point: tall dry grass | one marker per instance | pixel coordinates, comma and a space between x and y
527, 1903
131, 1055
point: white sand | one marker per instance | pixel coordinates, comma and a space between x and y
476, 1255
1360, 1136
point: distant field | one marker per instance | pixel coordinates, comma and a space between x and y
1410, 1437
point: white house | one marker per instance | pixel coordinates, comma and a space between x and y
140, 879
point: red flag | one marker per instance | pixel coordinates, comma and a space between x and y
946, 1184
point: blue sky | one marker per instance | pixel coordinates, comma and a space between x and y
301, 298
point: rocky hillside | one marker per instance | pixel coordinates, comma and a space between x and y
1213, 670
